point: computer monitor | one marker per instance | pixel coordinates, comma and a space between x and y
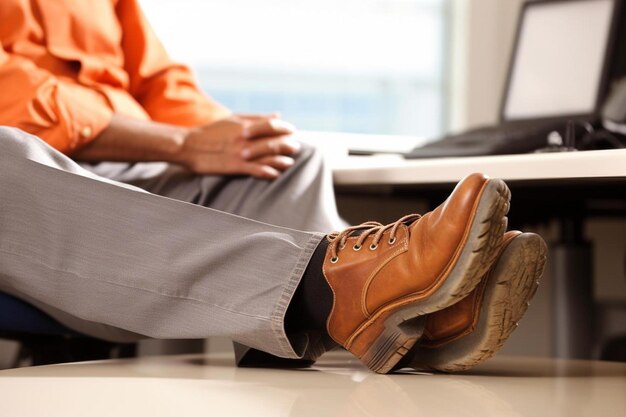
560, 61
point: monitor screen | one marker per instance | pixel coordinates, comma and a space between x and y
558, 63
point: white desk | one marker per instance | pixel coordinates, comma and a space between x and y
392, 169
338, 386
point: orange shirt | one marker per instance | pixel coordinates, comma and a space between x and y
67, 65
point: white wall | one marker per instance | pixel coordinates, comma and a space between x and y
482, 36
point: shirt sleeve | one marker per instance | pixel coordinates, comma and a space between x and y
166, 90
64, 114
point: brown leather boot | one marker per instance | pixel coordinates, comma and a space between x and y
474, 329
384, 278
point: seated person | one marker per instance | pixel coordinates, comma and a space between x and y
96, 228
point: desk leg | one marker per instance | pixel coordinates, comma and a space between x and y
571, 267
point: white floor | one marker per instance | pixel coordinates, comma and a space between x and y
338, 386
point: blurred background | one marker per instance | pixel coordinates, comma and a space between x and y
365, 66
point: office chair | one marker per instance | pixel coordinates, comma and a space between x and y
45, 341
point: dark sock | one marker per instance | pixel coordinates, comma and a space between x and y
313, 299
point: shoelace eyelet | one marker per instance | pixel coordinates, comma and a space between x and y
373, 247
392, 241
334, 259
357, 247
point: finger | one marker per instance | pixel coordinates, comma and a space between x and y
261, 171
279, 162
258, 116
269, 146
268, 127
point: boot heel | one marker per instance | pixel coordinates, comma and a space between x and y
391, 345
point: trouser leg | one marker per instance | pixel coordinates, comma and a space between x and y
301, 198
117, 256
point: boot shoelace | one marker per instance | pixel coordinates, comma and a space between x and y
338, 240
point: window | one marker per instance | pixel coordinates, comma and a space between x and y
366, 66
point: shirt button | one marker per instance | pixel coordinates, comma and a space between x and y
85, 132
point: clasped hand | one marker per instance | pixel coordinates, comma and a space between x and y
260, 146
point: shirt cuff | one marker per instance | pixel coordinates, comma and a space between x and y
89, 113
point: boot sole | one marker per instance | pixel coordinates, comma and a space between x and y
403, 325
507, 295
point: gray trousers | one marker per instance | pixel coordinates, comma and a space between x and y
91, 247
